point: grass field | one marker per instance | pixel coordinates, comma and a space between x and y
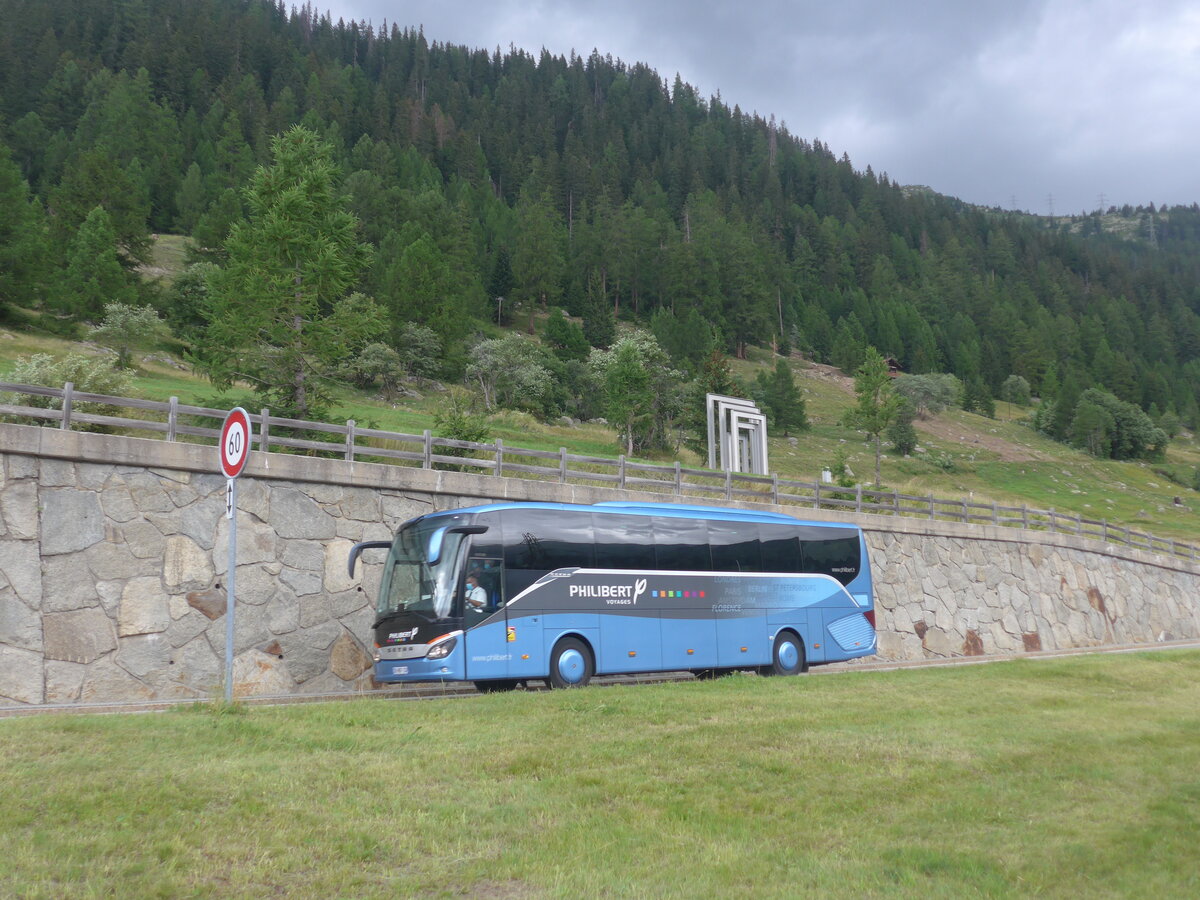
1069, 778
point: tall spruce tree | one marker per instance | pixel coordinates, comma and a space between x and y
781, 399
94, 274
23, 259
281, 313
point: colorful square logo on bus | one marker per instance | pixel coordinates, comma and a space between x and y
681, 594
511, 636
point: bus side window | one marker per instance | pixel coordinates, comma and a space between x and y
623, 542
538, 541
542, 540
681, 545
780, 548
839, 557
734, 547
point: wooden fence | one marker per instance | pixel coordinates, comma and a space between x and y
68, 408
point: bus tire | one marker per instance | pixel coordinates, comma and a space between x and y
571, 664
496, 685
787, 656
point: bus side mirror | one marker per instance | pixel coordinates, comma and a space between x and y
434, 552
360, 547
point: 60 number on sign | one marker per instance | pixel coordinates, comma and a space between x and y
235, 442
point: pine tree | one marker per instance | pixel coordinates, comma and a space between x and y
94, 275
95, 179
500, 285
565, 338
877, 405
537, 263
23, 252
599, 326
781, 399
281, 315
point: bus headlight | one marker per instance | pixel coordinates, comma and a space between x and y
442, 649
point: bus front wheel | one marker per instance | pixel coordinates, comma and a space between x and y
787, 657
571, 664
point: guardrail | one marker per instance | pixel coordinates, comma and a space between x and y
70, 409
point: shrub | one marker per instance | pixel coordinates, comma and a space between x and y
929, 394
93, 375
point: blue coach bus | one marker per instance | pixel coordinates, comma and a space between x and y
509, 592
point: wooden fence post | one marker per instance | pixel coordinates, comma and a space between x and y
995, 514
775, 488
728, 484
350, 440
172, 417
264, 429
68, 395
427, 449
678, 479
621, 471
562, 464
817, 496
499, 457
932, 515
858, 498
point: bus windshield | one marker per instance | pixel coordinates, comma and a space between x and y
410, 582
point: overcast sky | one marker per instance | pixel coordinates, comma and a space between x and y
1000, 102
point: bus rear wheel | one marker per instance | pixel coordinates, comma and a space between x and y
787, 657
571, 664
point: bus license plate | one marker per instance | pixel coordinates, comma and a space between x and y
399, 670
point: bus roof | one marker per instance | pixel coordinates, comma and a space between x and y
625, 507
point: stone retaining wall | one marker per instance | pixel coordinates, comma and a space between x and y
113, 558
1012, 592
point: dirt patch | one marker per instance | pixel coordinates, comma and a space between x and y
832, 374
953, 433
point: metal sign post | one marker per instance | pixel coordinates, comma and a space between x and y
234, 448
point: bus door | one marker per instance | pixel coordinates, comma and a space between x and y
486, 626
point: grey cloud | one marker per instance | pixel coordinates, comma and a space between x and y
983, 100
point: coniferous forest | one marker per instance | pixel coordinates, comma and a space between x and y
488, 186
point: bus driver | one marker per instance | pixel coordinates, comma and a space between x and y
476, 596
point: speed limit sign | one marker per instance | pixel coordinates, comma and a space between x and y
234, 447
235, 442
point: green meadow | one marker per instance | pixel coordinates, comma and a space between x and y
1067, 778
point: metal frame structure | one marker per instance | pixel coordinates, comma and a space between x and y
732, 420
